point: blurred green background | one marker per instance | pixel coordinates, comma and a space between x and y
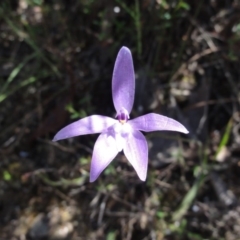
56, 63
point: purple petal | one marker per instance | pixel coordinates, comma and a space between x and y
123, 81
156, 122
104, 151
87, 125
136, 151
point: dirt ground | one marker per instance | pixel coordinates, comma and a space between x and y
56, 64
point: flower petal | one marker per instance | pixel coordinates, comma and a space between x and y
136, 151
156, 122
87, 125
104, 151
123, 81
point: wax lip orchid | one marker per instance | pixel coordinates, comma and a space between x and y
120, 133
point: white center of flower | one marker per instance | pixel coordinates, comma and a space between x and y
121, 132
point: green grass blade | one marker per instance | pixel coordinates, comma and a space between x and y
188, 199
225, 138
24, 83
16, 71
32, 44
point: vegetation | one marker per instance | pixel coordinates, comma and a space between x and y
56, 63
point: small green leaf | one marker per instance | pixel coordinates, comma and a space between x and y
161, 214
111, 236
83, 160
110, 170
167, 16
184, 5
6, 175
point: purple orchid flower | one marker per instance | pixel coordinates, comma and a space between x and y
120, 133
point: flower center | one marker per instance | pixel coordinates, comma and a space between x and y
123, 116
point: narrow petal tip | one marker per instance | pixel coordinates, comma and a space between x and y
55, 139
142, 178
185, 131
92, 179
125, 49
